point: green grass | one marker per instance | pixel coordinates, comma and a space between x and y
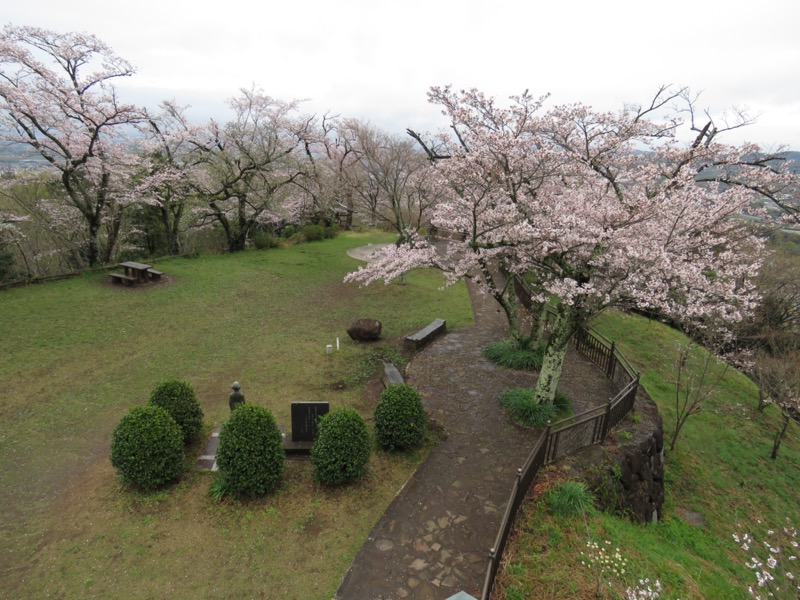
720, 469
77, 354
570, 499
525, 410
508, 354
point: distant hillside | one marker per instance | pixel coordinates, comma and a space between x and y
14, 157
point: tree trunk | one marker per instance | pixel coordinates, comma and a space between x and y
93, 244
113, 229
237, 243
567, 323
776, 444
763, 401
676, 433
507, 301
539, 326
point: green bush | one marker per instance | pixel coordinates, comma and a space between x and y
179, 400
563, 404
508, 353
250, 455
147, 448
340, 453
400, 421
570, 499
525, 410
313, 233
8, 265
264, 240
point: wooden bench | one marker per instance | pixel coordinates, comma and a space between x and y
120, 278
424, 336
391, 376
154, 274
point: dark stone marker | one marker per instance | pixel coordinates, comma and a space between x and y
304, 419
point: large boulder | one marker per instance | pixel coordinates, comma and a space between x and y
365, 330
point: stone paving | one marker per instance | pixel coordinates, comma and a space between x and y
208, 460
433, 540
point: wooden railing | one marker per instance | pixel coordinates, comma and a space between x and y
569, 435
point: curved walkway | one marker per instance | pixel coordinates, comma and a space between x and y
434, 537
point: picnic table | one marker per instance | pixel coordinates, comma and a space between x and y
137, 270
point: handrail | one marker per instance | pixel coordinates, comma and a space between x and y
601, 414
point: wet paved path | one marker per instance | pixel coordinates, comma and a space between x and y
433, 540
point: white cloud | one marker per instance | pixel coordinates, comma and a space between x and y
376, 60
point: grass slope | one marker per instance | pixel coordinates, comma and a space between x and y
78, 353
720, 470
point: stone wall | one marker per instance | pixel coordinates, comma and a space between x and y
626, 472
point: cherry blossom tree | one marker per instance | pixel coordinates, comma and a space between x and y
57, 96
776, 370
247, 167
392, 187
10, 236
169, 168
590, 210
52, 235
326, 188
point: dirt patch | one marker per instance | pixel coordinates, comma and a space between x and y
165, 280
692, 517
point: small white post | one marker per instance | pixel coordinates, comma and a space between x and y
337, 344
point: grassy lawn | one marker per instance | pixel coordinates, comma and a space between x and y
720, 470
77, 354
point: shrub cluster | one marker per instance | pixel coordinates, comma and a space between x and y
264, 240
8, 265
147, 448
250, 455
179, 400
314, 233
340, 453
509, 353
400, 421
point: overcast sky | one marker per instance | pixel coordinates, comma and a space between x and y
375, 60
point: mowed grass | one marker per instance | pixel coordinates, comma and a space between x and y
77, 354
719, 481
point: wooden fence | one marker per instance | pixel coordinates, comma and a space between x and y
569, 435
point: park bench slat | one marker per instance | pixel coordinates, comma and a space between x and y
120, 278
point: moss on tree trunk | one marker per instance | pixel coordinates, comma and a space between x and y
567, 323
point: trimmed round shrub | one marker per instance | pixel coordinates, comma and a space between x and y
340, 453
250, 455
147, 448
400, 421
508, 353
525, 410
179, 400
